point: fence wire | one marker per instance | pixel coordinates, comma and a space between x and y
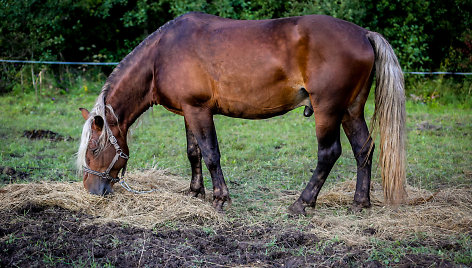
116, 63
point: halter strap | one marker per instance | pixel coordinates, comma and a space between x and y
106, 174
119, 153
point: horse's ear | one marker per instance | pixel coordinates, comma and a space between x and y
85, 113
97, 123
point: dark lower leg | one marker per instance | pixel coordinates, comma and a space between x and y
195, 157
329, 151
358, 135
362, 194
200, 123
220, 190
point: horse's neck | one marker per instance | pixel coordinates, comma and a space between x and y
132, 90
130, 99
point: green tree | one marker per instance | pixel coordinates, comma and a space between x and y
427, 35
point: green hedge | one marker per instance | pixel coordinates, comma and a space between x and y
427, 35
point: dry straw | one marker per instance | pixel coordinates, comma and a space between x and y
430, 215
168, 203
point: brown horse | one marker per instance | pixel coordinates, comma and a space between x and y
198, 65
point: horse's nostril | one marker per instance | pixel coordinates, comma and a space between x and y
95, 192
103, 190
107, 189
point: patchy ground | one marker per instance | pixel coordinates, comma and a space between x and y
37, 134
11, 175
266, 164
59, 224
51, 236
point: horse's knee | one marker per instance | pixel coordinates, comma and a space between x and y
193, 152
330, 154
212, 161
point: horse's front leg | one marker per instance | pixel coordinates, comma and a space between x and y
199, 121
194, 155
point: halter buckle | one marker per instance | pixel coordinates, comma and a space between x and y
112, 140
123, 155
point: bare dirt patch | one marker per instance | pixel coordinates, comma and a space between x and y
57, 237
11, 175
52, 236
37, 134
423, 126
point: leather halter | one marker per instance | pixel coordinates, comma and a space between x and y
119, 153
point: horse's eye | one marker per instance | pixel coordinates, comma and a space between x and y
93, 146
95, 151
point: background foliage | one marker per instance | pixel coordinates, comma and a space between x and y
427, 35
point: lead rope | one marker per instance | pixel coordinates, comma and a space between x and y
128, 188
123, 183
131, 190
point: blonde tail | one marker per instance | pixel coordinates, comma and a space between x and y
389, 117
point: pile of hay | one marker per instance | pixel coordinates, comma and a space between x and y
168, 203
437, 215
434, 216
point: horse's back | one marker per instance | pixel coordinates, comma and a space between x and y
254, 69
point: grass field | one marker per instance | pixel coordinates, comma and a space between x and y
260, 159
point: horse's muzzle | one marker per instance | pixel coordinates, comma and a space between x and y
97, 186
105, 190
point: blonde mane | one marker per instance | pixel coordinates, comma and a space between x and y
98, 110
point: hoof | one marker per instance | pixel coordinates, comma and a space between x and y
358, 207
219, 203
297, 209
198, 193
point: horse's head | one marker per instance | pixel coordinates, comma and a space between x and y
103, 151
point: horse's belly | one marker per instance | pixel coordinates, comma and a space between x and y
262, 102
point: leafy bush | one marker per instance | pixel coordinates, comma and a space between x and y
441, 89
426, 35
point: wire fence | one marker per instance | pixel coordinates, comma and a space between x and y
59, 62
116, 63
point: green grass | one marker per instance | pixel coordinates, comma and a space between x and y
42, 159
390, 253
276, 152
259, 158
441, 156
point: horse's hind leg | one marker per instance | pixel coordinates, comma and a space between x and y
356, 130
200, 122
329, 150
358, 135
195, 157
